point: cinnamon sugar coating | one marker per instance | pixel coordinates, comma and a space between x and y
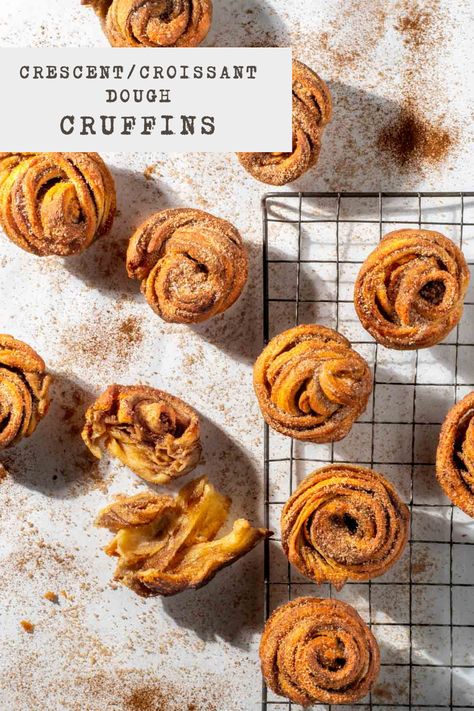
319, 651
311, 385
410, 291
344, 522
312, 111
24, 390
192, 265
455, 455
154, 23
55, 203
166, 545
153, 433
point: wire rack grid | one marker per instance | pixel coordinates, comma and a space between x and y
421, 612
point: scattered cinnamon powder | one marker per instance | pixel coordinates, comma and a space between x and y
413, 28
421, 567
383, 693
148, 697
163, 698
413, 139
420, 135
51, 596
111, 344
135, 690
131, 329
340, 57
27, 626
419, 26
353, 35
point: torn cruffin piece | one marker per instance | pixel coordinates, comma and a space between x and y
166, 545
152, 432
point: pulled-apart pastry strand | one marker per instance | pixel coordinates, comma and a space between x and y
344, 522
55, 203
152, 432
319, 651
192, 265
455, 455
312, 111
410, 291
166, 545
24, 386
154, 23
311, 385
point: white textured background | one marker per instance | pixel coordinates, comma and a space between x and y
102, 648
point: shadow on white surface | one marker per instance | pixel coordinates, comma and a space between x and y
237, 332
55, 460
103, 265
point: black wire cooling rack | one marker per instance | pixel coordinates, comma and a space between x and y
423, 611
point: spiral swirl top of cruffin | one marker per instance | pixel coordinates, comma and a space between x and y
311, 385
410, 291
166, 545
155, 434
312, 111
154, 23
455, 455
55, 203
192, 265
24, 390
344, 522
319, 651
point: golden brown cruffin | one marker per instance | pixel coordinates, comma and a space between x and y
319, 651
410, 291
312, 111
153, 433
311, 385
55, 203
154, 23
455, 455
166, 545
344, 522
192, 265
24, 387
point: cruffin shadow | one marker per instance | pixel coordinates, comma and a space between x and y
246, 23
102, 266
55, 460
